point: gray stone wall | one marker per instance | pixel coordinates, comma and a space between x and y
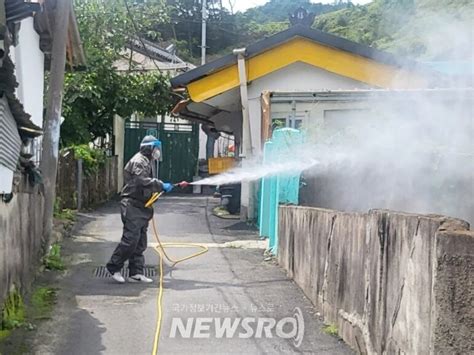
385, 278
454, 293
21, 231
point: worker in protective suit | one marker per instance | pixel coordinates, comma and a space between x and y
139, 186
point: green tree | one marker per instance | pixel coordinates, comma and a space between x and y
421, 29
93, 96
184, 28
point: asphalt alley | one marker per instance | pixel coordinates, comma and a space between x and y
233, 285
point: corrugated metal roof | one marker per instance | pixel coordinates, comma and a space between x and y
154, 50
10, 142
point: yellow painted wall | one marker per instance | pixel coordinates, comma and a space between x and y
303, 50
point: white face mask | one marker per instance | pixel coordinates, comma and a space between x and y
156, 154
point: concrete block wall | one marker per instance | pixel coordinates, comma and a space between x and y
454, 293
392, 282
21, 230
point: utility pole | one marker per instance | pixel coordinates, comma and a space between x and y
203, 32
49, 161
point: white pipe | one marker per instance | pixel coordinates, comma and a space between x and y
246, 130
246, 144
203, 32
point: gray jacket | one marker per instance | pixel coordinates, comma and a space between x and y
139, 183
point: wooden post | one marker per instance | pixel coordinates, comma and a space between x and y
49, 163
266, 123
79, 184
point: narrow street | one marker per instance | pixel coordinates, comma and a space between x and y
232, 281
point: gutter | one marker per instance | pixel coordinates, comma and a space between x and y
371, 94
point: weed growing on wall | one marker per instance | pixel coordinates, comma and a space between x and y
53, 261
63, 213
331, 329
42, 303
13, 314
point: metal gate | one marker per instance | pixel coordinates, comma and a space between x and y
180, 142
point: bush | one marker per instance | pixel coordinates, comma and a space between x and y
92, 158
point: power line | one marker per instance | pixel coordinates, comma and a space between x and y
139, 37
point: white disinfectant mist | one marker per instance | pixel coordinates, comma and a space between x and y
406, 150
254, 170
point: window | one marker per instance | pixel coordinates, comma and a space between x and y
291, 122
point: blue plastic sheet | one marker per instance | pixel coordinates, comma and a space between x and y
281, 188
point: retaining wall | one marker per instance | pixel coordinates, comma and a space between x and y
392, 282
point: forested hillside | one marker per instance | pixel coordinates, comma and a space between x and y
422, 29
226, 29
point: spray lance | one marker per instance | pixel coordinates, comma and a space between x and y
183, 184
157, 195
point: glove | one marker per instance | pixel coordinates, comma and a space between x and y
167, 187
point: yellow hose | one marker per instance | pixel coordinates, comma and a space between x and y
160, 249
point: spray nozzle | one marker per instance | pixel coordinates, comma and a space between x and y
182, 184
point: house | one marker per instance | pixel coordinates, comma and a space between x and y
144, 55
229, 93
25, 53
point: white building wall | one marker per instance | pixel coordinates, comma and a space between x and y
297, 77
319, 114
29, 63
6, 180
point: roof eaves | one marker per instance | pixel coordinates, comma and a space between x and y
8, 85
202, 70
17, 10
284, 36
44, 21
75, 43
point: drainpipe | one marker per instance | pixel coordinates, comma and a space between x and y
246, 131
246, 143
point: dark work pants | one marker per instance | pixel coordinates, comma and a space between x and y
134, 239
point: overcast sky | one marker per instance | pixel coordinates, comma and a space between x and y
242, 5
